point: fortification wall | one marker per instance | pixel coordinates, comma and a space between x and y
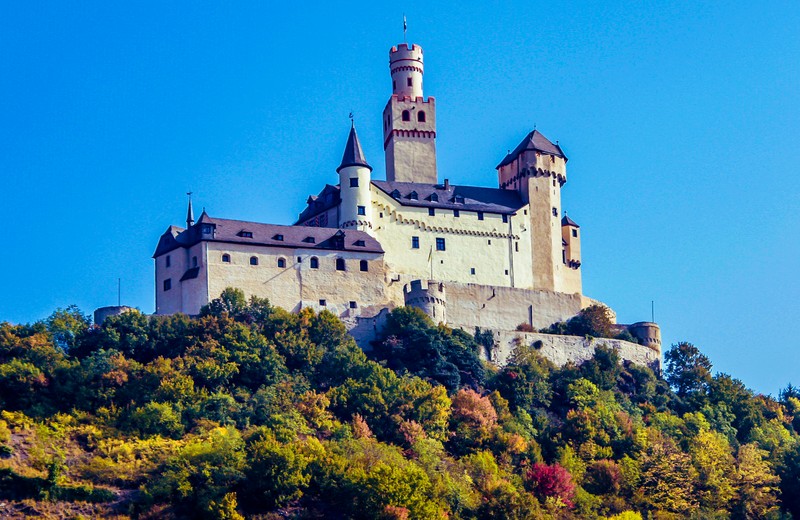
563, 349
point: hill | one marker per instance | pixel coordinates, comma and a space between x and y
251, 411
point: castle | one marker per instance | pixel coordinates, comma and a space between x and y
468, 256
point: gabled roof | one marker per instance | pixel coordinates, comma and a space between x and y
227, 231
327, 198
490, 200
353, 154
566, 221
533, 141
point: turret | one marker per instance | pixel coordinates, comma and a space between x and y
354, 184
409, 121
569, 280
430, 298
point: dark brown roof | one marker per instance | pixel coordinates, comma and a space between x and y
533, 141
230, 231
353, 154
566, 221
466, 198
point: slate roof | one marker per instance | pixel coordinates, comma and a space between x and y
229, 231
327, 198
490, 200
566, 221
533, 141
353, 154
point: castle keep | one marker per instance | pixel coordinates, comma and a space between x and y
468, 256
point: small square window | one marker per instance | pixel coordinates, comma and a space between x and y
526, 211
414, 242
471, 270
226, 258
353, 305
506, 272
359, 243
340, 264
278, 237
168, 261
363, 266
253, 260
322, 303
431, 211
299, 260
246, 234
505, 219
440, 245
309, 240
362, 210
456, 213
354, 182
168, 284
574, 232
281, 262
480, 215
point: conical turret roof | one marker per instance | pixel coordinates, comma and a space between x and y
353, 154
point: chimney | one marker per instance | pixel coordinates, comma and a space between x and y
447, 184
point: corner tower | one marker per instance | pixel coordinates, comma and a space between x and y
409, 120
354, 184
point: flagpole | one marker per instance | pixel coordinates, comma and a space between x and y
405, 28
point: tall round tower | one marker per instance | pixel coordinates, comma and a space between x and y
405, 64
355, 211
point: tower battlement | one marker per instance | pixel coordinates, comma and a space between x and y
429, 297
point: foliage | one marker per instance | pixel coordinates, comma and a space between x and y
252, 411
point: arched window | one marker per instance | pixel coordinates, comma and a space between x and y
406, 115
226, 258
364, 265
314, 262
421, 116
253, 260
340, 264
281, 262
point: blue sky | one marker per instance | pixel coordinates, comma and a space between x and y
681, 123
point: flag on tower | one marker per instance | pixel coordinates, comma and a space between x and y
405, 27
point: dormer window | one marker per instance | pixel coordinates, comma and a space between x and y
278, 237
396, 194
413, 195
359, 243
207, 229
459, 199
406, 115
310, 240
245, 234
434, 197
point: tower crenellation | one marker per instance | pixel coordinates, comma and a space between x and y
430, 297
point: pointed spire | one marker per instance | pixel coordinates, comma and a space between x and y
189, 212
353, 154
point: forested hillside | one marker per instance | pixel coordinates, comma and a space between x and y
251, 411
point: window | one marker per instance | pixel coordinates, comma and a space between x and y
359, 243
434, 197
526, 211
309, 240
516, 247
564, 256
459, 199
421, 116
253, 260
354, 182
480, 215
414, 242
226, 258
281, 262
322, 303
456, 213
395, 194
575, 233
194, 261
278, 237
299, 260
362, 210
505, 219
555, 212
554, 183
490, 242
394, 85
431, 211
168, 284
353, 305
207, 229
364, 265
413, 195
440, 244
314, 262
340, 264
506, 271
406, 115
245, 234
408, 82
381, 215
471, 270
168, 261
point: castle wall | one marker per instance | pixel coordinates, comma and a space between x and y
297, 285
498, 256
182, 296
576, 349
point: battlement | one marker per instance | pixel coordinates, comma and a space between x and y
404, 52
430, 297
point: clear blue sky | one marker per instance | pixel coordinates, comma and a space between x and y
681, 122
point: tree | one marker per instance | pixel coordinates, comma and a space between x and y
551, 482
756, 484
687, 370
66, 325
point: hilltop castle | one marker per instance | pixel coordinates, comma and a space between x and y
468, 256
